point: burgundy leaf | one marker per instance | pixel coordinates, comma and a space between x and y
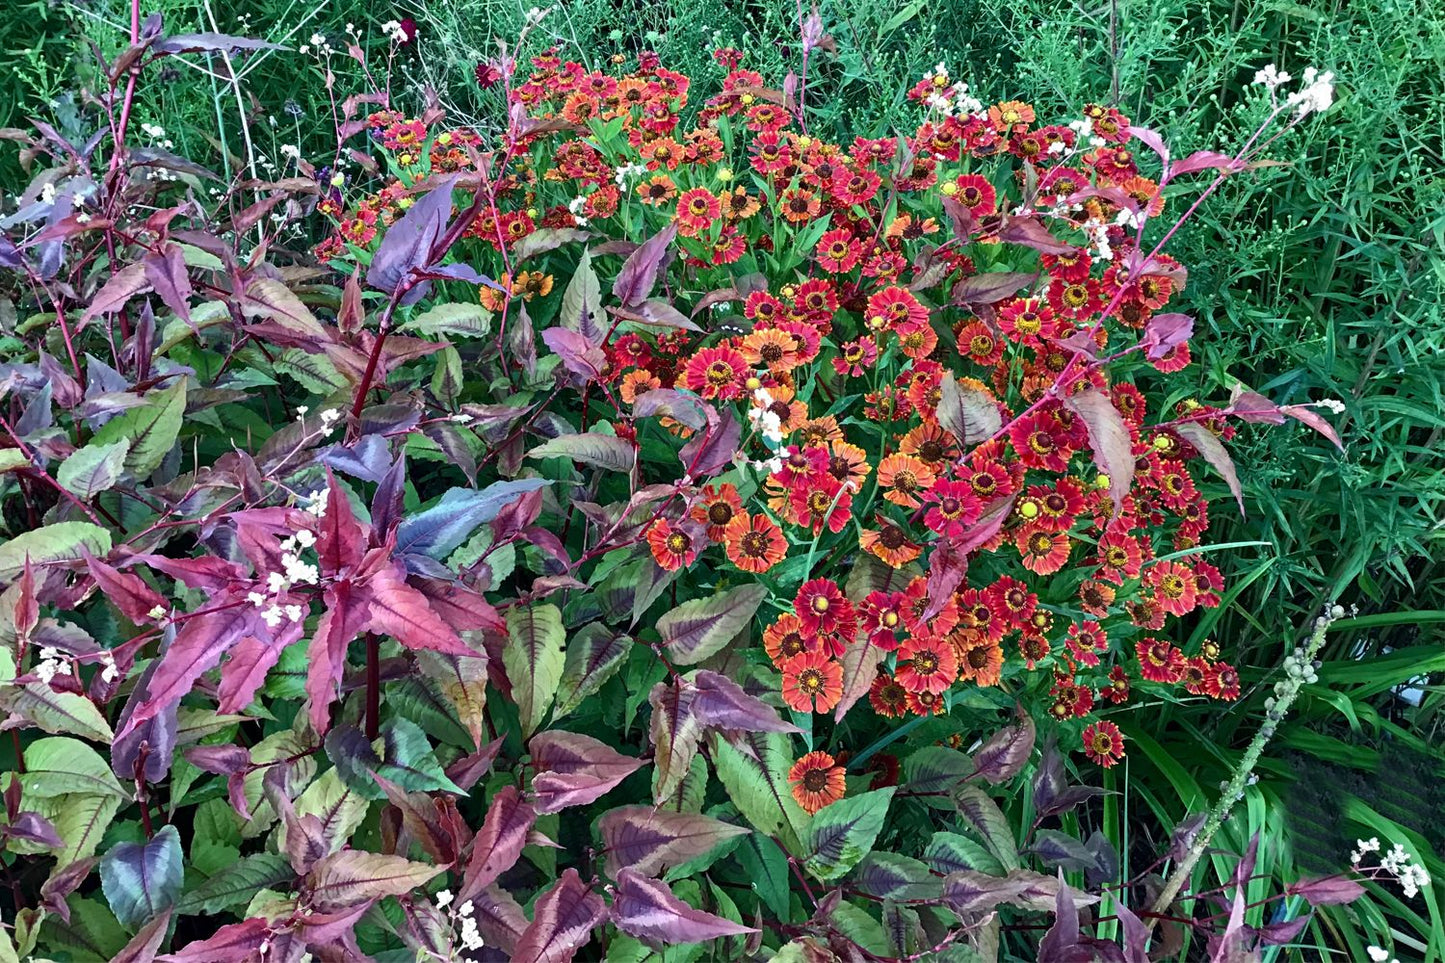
720, 702
710, 451
396, 609
33, 827
1203, 160
197, 648
246, 667
408, 244
647, 909
969, 414
1136, 935
1031, 232
467, 771
1152, 140
499, 842
340, 543
960, 218
651, 840
1278, 934
147, 941
1254, 407
947, 567
1207, 443
573, 769
991, 287
233, 943
123, 285
1109, 438
341, 621
860, 668
638, 275
968, 891
157, 735
1006, 752
676, 732
1165, 332
1327, 891
562, 922
674, 404
1061, 943
352, 877
579, 355
221, 760
128, 591
166, 272
1307, 415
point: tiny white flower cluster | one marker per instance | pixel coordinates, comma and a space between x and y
471, 937
320, 45
1098, 232
626, 172
1084, 128
156, 133
1378, 954
291, 151
47, 192
50, 664
295, 571
330, 418
1333, 405
575, 206
536, 16
1317, 94
394, 31
109, 671
763, 419
1412, 877
951, 98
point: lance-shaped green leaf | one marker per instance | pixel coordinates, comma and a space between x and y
594, 654
60, 713
652, 840
935, 770
700, 628
1109, 439
676, 731
466, 320
151, 429
843, 833
142, 879
80, 820
949, 853
405, 758
237, 884
533, 659
352, 877
592, 448
753, 768
63, 541
59, 766
891, 876
339, 811
464, 684
983, 814
93, 469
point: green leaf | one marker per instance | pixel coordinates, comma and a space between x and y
351, 877
700, 628
757, 783
767, 870
405, 758
314, 372
142, 879
533, 659
63, 541
60, 766
460, 319
988, 820
582, 300
339, 810
93, 469
60, 713
151, 429
949, 853
235, 885
594, 654
934, 771
592, 448
858, 925
80, 821
843, 833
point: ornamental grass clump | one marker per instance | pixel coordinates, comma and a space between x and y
643, 511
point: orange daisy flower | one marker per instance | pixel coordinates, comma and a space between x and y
637, 383
785, 639
718, 372
799, 205
754, 543
657, 190
720, 505
812, 682
903, 478
1042, 551
890, 543
671, 546
926, 664
771, 348
817, 781
982, 664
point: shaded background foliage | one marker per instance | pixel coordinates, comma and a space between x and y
1318, 278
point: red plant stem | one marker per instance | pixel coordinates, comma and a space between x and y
141, 795
46, 475
373, 686
129, 91
382, 328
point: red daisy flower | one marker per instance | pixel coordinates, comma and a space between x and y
823, 609
1041, 442
1042, 551
1117, 691
887, 697
1222, 682
719, 372
1158, 660
1174, 585
952, 507
881, 615
1103, 743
